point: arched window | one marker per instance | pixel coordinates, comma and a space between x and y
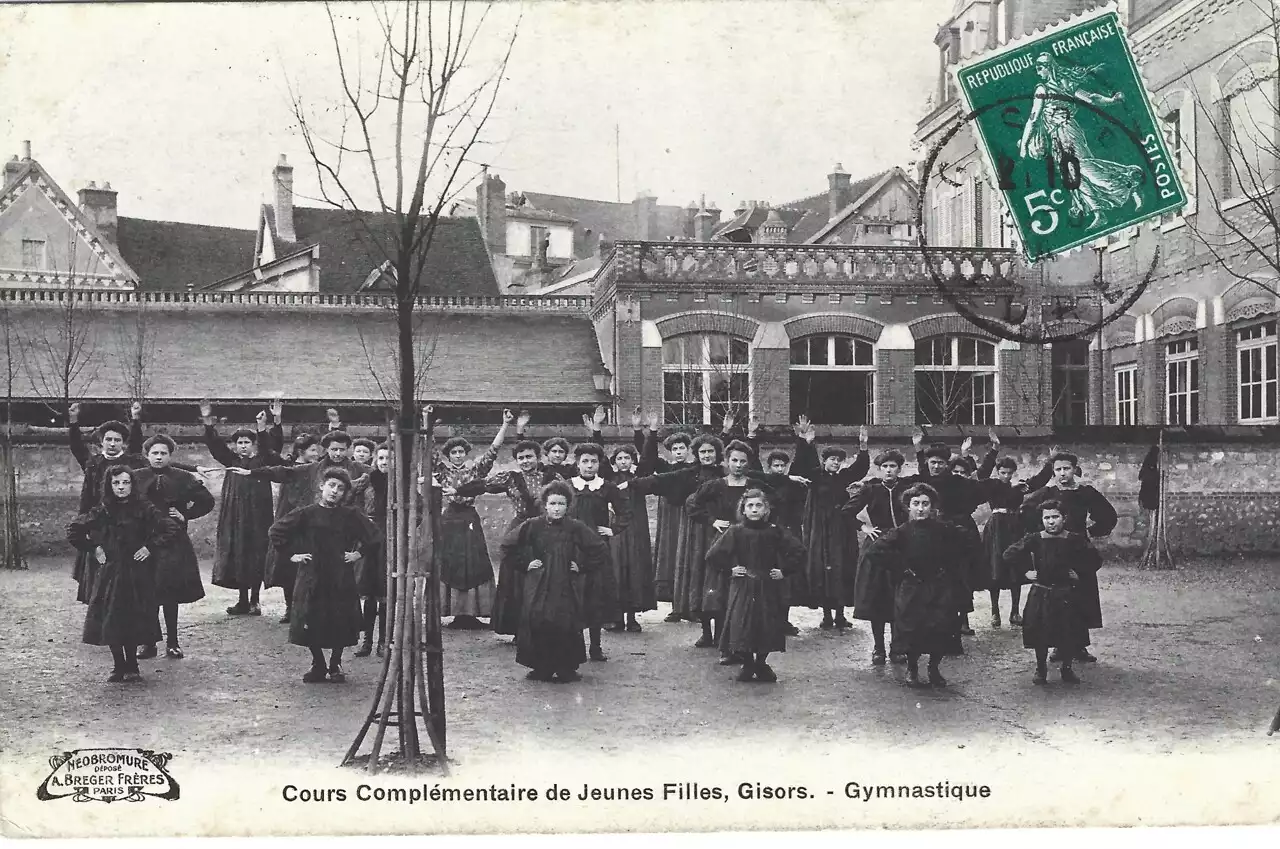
955, 381
1256, 374
705, 376
1070, 382
1248, 117
833, 379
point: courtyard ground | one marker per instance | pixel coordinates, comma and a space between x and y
1187, 666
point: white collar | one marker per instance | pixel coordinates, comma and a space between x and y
592, 485
1075, 485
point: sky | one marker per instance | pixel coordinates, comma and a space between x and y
186, 108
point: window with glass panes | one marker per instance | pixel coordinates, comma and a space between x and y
833, 380
1256, 373
1127, 395
955, 381
704, 377
1182, 382
1070, 379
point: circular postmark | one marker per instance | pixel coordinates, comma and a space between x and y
1037, 327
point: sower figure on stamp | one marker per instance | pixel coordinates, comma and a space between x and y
1086, 512
755, 556
925, 560
181, 497
598, 504
830, 536
121, 533
630, 548
557, 553
1054, 560
244, 517
466, 571
325, 539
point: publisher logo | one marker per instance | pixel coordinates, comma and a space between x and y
109, 775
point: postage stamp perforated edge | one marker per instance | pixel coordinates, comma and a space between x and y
1021, 42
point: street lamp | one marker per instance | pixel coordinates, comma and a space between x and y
603, 378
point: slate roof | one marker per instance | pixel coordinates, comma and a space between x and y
457, 263
172, 256
614, 220
805, 217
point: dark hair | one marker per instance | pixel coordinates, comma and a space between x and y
1007, 463
938, 450
113, 472
584, 448
890, 456
336, 473
244, 433
834, 451
752, 492
365, 442
917, 490
526, 445
556, 442
335, 436
775, 456
1051, 504
159, 439
1063, 455
112, 426
556, 487
455, 442
707, 439
968, 463
739, 446
629, 450
676, 439
304, 441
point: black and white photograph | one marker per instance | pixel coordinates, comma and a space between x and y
447, 417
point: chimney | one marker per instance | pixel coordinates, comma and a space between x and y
690, 220
11, 169
646, 207
99, 206
704, 223
715, 215
26, 151
491, 209
603, 246
282, 179
773, 231
837, 192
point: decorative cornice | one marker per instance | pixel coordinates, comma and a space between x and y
1250, 309
1176, 325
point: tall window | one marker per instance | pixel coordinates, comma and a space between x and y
1126, 395
833, 380
1256, 357
705, 376
537, 235
1070, 382
1182, 382
1000, 20
33, 254
955, 381
1249, 116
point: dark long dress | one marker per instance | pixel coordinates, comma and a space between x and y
326, 604
691, 537
756, 615
176, 566
958, 497
94, 466
670, 516
1079, 505
1005, 525
244, 518
122, 601
925, 560
466, 572
1053, 617
553, 612
715, 500
873, 586
830, 534
632, 553
522, 489
591, 505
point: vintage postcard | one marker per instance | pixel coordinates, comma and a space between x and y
444, 418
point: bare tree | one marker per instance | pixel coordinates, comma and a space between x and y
135, 351
412, 105
10, 541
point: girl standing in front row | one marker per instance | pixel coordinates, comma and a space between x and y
120, 534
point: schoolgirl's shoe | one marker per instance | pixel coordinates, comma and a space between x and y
1069, 676
568, 676
315, 675
336, 675
173, 652
147, 652
936, 679
765, 673
1041, 677
841, 623
596, 653
117, 676
877, 657
746, 673
1085, 657
1015, 619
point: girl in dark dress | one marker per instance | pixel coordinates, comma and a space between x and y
670, 508
601, 505
557, 553
296, 490
371, 574
181, 497
631, 550
325, 539
925, 560
756, 557
121, 534
1054, 561
830, 536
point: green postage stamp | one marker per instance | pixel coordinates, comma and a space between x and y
1070, 135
